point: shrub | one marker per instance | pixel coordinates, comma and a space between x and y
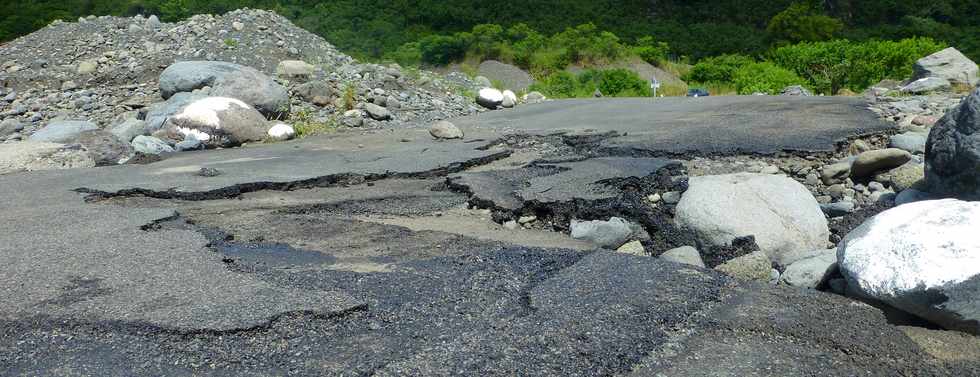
801, 22
650, 51
441, 49
611, 82
717, 69
834, 65
764, 77
408, 55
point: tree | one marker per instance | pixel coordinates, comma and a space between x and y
801, 23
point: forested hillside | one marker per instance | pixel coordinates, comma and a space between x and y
695, 29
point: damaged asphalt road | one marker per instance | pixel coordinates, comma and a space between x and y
359, 255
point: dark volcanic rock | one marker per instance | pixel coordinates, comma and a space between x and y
953, 151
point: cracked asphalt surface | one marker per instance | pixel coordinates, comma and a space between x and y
360, 254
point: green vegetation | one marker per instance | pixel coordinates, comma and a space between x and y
696, 29
835, 65
764, 77
230, 42
610, 82
829, 46
306, 125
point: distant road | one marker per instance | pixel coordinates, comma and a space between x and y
750, 124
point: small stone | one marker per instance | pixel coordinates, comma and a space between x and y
209, 172
653, 198
837, 209
835, 173
510, 224
684, 255
527, 219
150, 145
445, 130
377, 112
609, 234
858, 146
770, 170
281, 132
755, 266
633, 247
238, 26
671, 197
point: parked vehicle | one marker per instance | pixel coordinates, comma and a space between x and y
697, 92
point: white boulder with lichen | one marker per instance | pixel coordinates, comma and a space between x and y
218, 122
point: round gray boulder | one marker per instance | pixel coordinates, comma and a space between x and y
227, 80
445, 130
780, 212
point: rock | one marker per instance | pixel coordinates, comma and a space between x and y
524, 220
835, 173
796, 90
227, 80
597, 94
949, 64
377, 112
490, 98
483, 81
217, 122
153, 22
9, 126
924, 120
35, 156
912, 195
510, 99
87, 67
534, 97
104, 147
445, 130
684, 255
922, 258
671, 197
238, 26
510, 225
292, 69
190, 143
654, 198
608, 234
129, 129
634, 248
150, 145
912, 142
871, 162
780, 212
903, 177
927, 85
62, 131
313, 90
755, 266
953, 151
508, 75
858, 146
281, 132
837, 209
811, 272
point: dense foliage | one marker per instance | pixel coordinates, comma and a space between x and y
609, 82
831, 66
695, 29
764, 77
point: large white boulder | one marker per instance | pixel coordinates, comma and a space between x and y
922, 258
780, 212
490, 98
218, 122
949, 64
